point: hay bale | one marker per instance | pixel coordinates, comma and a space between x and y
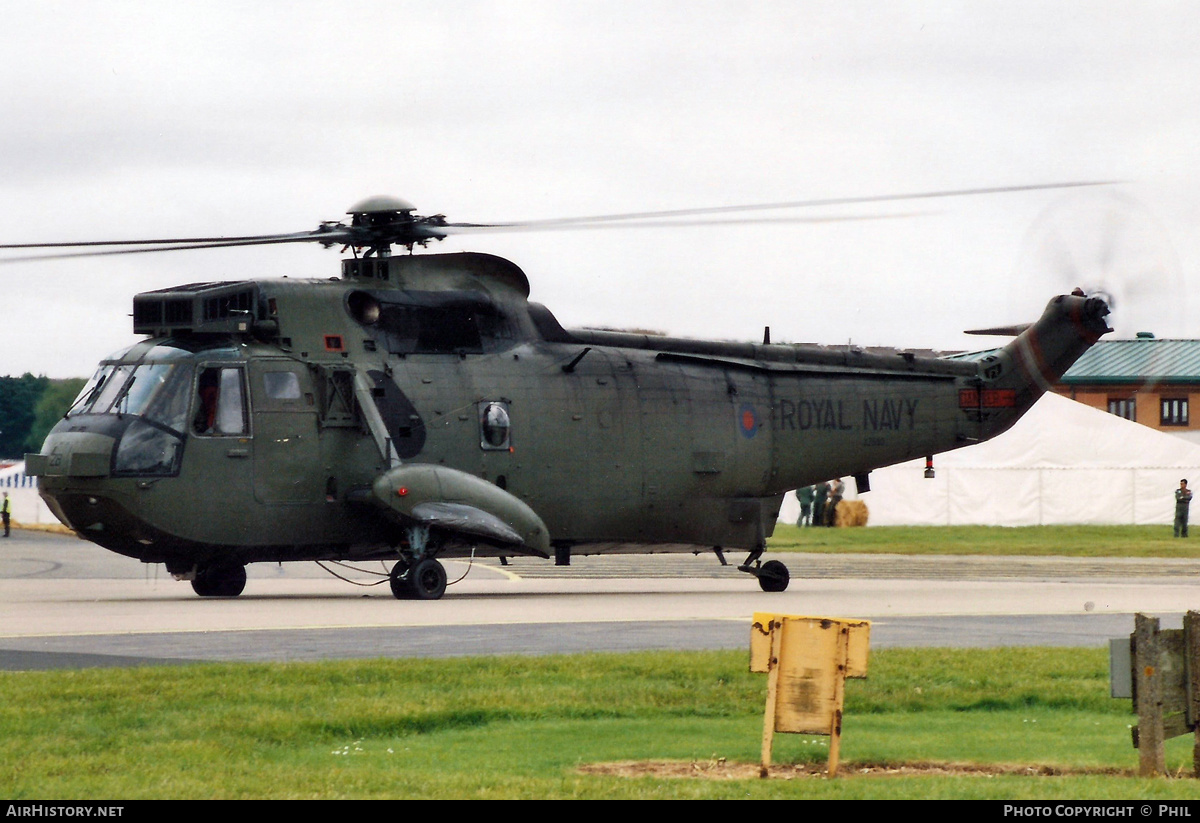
850, 513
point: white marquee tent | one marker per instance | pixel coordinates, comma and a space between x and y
1063, 462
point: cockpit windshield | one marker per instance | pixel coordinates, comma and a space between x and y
157, 388
149, 391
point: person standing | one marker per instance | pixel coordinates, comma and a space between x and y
1183, 499
805, 496
820, 492
6, 512
837, 490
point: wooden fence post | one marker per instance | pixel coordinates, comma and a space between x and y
1152, 758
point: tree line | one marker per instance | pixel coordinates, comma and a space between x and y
29, 408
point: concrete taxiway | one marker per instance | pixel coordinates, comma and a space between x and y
66, 603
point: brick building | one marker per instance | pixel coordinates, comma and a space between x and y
1147, 380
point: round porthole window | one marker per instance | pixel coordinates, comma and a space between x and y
494, 425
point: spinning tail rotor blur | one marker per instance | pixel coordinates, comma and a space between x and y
1110, 246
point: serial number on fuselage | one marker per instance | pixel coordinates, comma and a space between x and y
847, 415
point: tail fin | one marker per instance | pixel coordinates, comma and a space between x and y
1030, 365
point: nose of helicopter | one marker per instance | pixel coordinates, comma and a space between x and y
75, 479
72, 454
71, 467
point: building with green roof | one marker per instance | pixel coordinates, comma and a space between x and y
1147, 380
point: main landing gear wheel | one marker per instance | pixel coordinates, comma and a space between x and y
773, 576
425, 580
398, 580
221, 579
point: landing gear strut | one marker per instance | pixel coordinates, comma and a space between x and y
772, 576
224, 578
416, 575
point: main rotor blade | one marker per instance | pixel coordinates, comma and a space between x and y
333, 237
164, 241
419, 230
791, 204
455, 228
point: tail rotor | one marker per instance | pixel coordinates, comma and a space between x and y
1111, 247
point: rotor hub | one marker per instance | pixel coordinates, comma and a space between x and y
382, 221
381, 203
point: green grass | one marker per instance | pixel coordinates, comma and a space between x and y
517, 727
1063, 541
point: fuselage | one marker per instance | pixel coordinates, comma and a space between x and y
256, 419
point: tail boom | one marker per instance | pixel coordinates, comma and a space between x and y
1036, 360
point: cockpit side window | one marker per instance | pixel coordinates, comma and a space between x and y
220, 407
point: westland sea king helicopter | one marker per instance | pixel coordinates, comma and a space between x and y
421, 407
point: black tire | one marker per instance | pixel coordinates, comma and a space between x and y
399, 582
427, 580
220, 579
202, 585
774, 576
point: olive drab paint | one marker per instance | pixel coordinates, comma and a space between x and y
421, 407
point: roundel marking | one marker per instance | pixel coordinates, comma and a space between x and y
748, 421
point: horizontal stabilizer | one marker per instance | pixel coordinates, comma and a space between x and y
1001, 331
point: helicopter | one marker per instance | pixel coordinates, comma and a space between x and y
421, 407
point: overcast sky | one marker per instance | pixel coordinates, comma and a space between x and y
126, 120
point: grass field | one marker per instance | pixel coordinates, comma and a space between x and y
1066, 541
517, 727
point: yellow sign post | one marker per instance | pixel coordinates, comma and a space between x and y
807, 661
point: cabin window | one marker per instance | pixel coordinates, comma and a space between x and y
1125, 407
281, 385
220, 402
495, 428
1174, 411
